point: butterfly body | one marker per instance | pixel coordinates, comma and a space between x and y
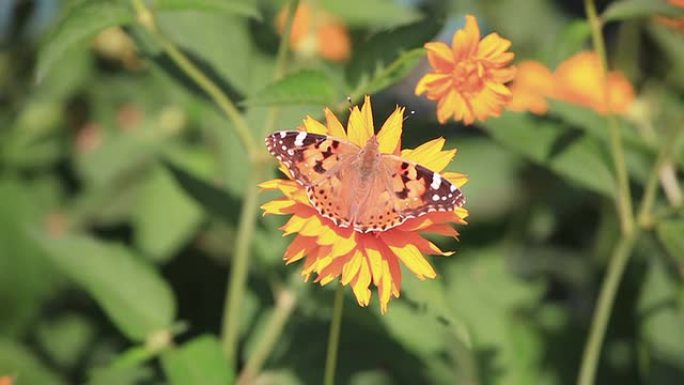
361, 187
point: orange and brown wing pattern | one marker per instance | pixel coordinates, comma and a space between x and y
310, 157
417, 190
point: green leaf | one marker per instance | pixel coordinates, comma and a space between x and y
632, 9
65, 339
383, 48
137, 300
18, 361
81, 22
579, 158
374, 13
120, 376
165, 218
671, 235
394, 72
200, 361
214, 200
239, 7
305, 87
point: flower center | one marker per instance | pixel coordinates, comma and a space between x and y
467, 76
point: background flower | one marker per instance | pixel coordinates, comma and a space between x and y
359, 259
467, 78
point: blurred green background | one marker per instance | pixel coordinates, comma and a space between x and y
121, 185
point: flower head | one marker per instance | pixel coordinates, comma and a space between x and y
580, 80
532, 85
468, 78
356, 258
315, 32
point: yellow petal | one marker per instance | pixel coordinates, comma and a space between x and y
414, 260
278, 206
352, 267
456, 178
390, 133
312, 228
430, 155
385, 289
375, 262
358, 129
294, 225
314, 126
335, 128
343, 245
426, 80
361, 283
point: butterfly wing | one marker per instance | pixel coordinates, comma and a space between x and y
311, 158
317, 162
402, 190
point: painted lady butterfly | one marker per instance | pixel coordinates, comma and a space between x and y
361, 187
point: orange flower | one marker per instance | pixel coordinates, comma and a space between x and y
359, 259
532, 85
580, 80
315, 32
6, 380
468, 78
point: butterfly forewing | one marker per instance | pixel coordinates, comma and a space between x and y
310, 157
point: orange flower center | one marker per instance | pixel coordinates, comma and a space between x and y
467, 76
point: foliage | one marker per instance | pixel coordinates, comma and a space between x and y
130, 150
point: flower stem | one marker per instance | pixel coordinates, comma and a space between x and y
147, 20
285, 304
334, 337
599, 323
624, 200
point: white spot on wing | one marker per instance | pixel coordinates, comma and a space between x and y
436, 181
282, 134
299, 140
435, 197
452, 188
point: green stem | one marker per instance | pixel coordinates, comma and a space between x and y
147, 20
624, 200
604, 306
285, 304
235, 291
334, 337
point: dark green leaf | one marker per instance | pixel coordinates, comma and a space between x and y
631, 9
582, 160
17, 361
200, 361
214, 200
81, 22
305, 87
671, 234
130, 291
385, 47
165, 218
240, 7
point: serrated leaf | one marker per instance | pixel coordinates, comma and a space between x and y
671, 235
200, 361
385, 47
632, 9
132, 294
572, 155
165, 217
239, 7
214, 200
81, 22
305, 87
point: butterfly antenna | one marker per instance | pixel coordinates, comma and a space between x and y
349, 100
410, 114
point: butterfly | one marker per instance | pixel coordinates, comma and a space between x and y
360, 187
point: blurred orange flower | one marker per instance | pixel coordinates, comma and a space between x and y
580, 80
315, 32
6, 380
532, 85
361, 258
468, 78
